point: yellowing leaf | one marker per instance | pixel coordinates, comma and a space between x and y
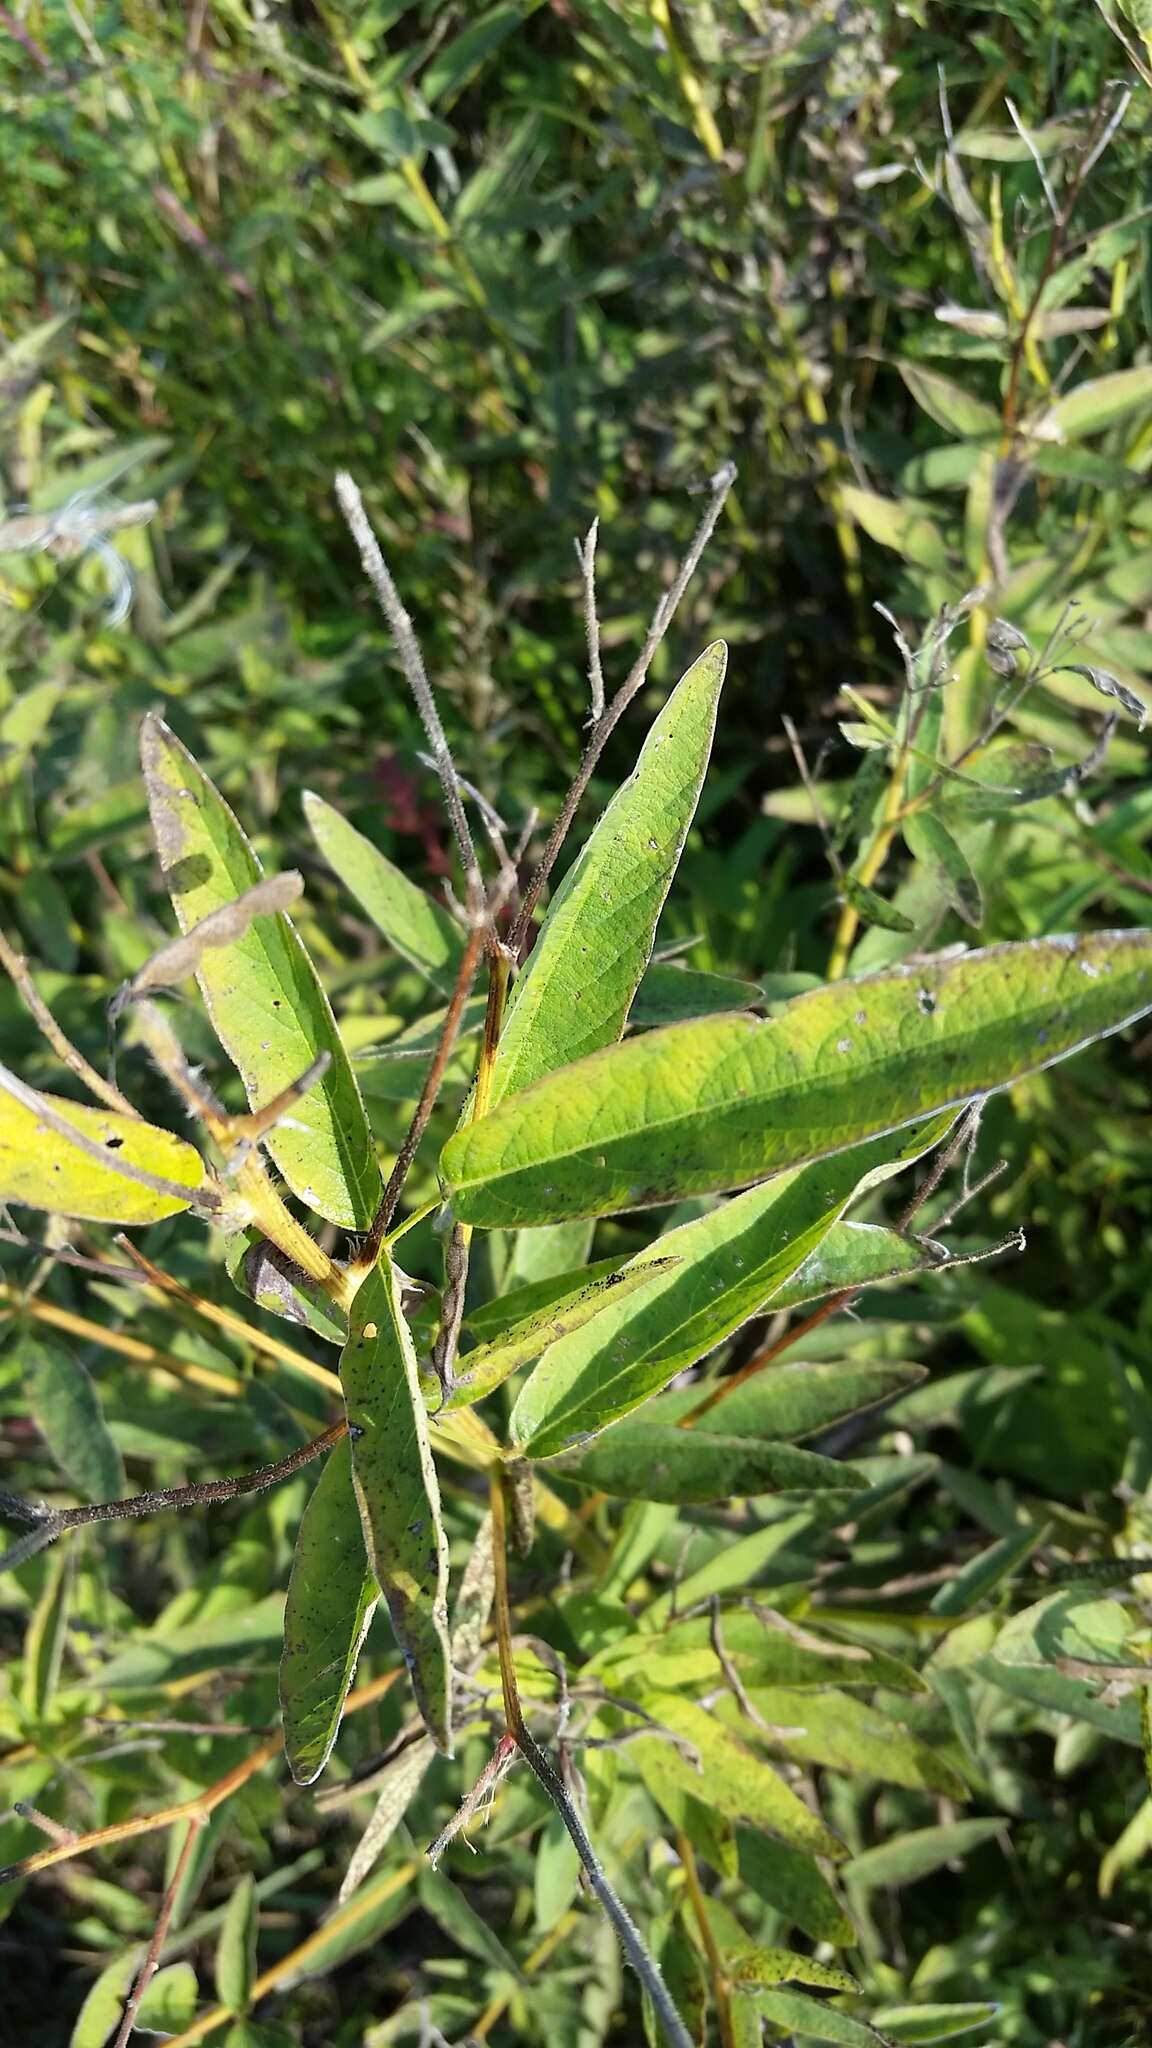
94, 1164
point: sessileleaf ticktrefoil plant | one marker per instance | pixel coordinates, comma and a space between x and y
606, 1413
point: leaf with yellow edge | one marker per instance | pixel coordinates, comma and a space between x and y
261, 990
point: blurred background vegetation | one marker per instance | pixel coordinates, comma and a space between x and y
521, 266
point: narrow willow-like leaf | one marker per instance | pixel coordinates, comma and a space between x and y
332, 1596
701, 1107
395, 1788
396, 1486
74, 1160
903, 524
731, 1261
858, 1255
791, 1882
837, 1729
916, 2025
67, 1412
1097, 403
949, 404
262, 992
976, 1579
930, 842
874, 908
735, 1780
765, 1649
669, 994
420, 930
907, 1858
490, 1319
490, 1364
236, 1947
595, 943
649, 1461
793, 2012
45, 1637
851, 1255
399, 1780
788, 1402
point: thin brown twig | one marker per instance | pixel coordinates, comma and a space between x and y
721, 1992
151, 1962
416, 675
204, 1803
55, 1522
586, 556
844, 1299
16, 968
449, 1032
662, 618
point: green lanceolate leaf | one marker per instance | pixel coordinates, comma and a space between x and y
949, 404
735, 1781
851, 1255
669, 994
45, 1638
907, 1858
236, 1947
835, 1728
730, 1263
94, 1164
1098, 403
754, 1965
595, 943
763, 1647
793, 2012
490, 1364
395, 1481
67, 1412
788, 1402
792, 1883
261, 991
918, 2024
930, 842
903, 524
651, 1461
701, 1107
332, 1596
858, 1255
875, 909
420, 930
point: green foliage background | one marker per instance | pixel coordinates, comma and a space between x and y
518, 267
